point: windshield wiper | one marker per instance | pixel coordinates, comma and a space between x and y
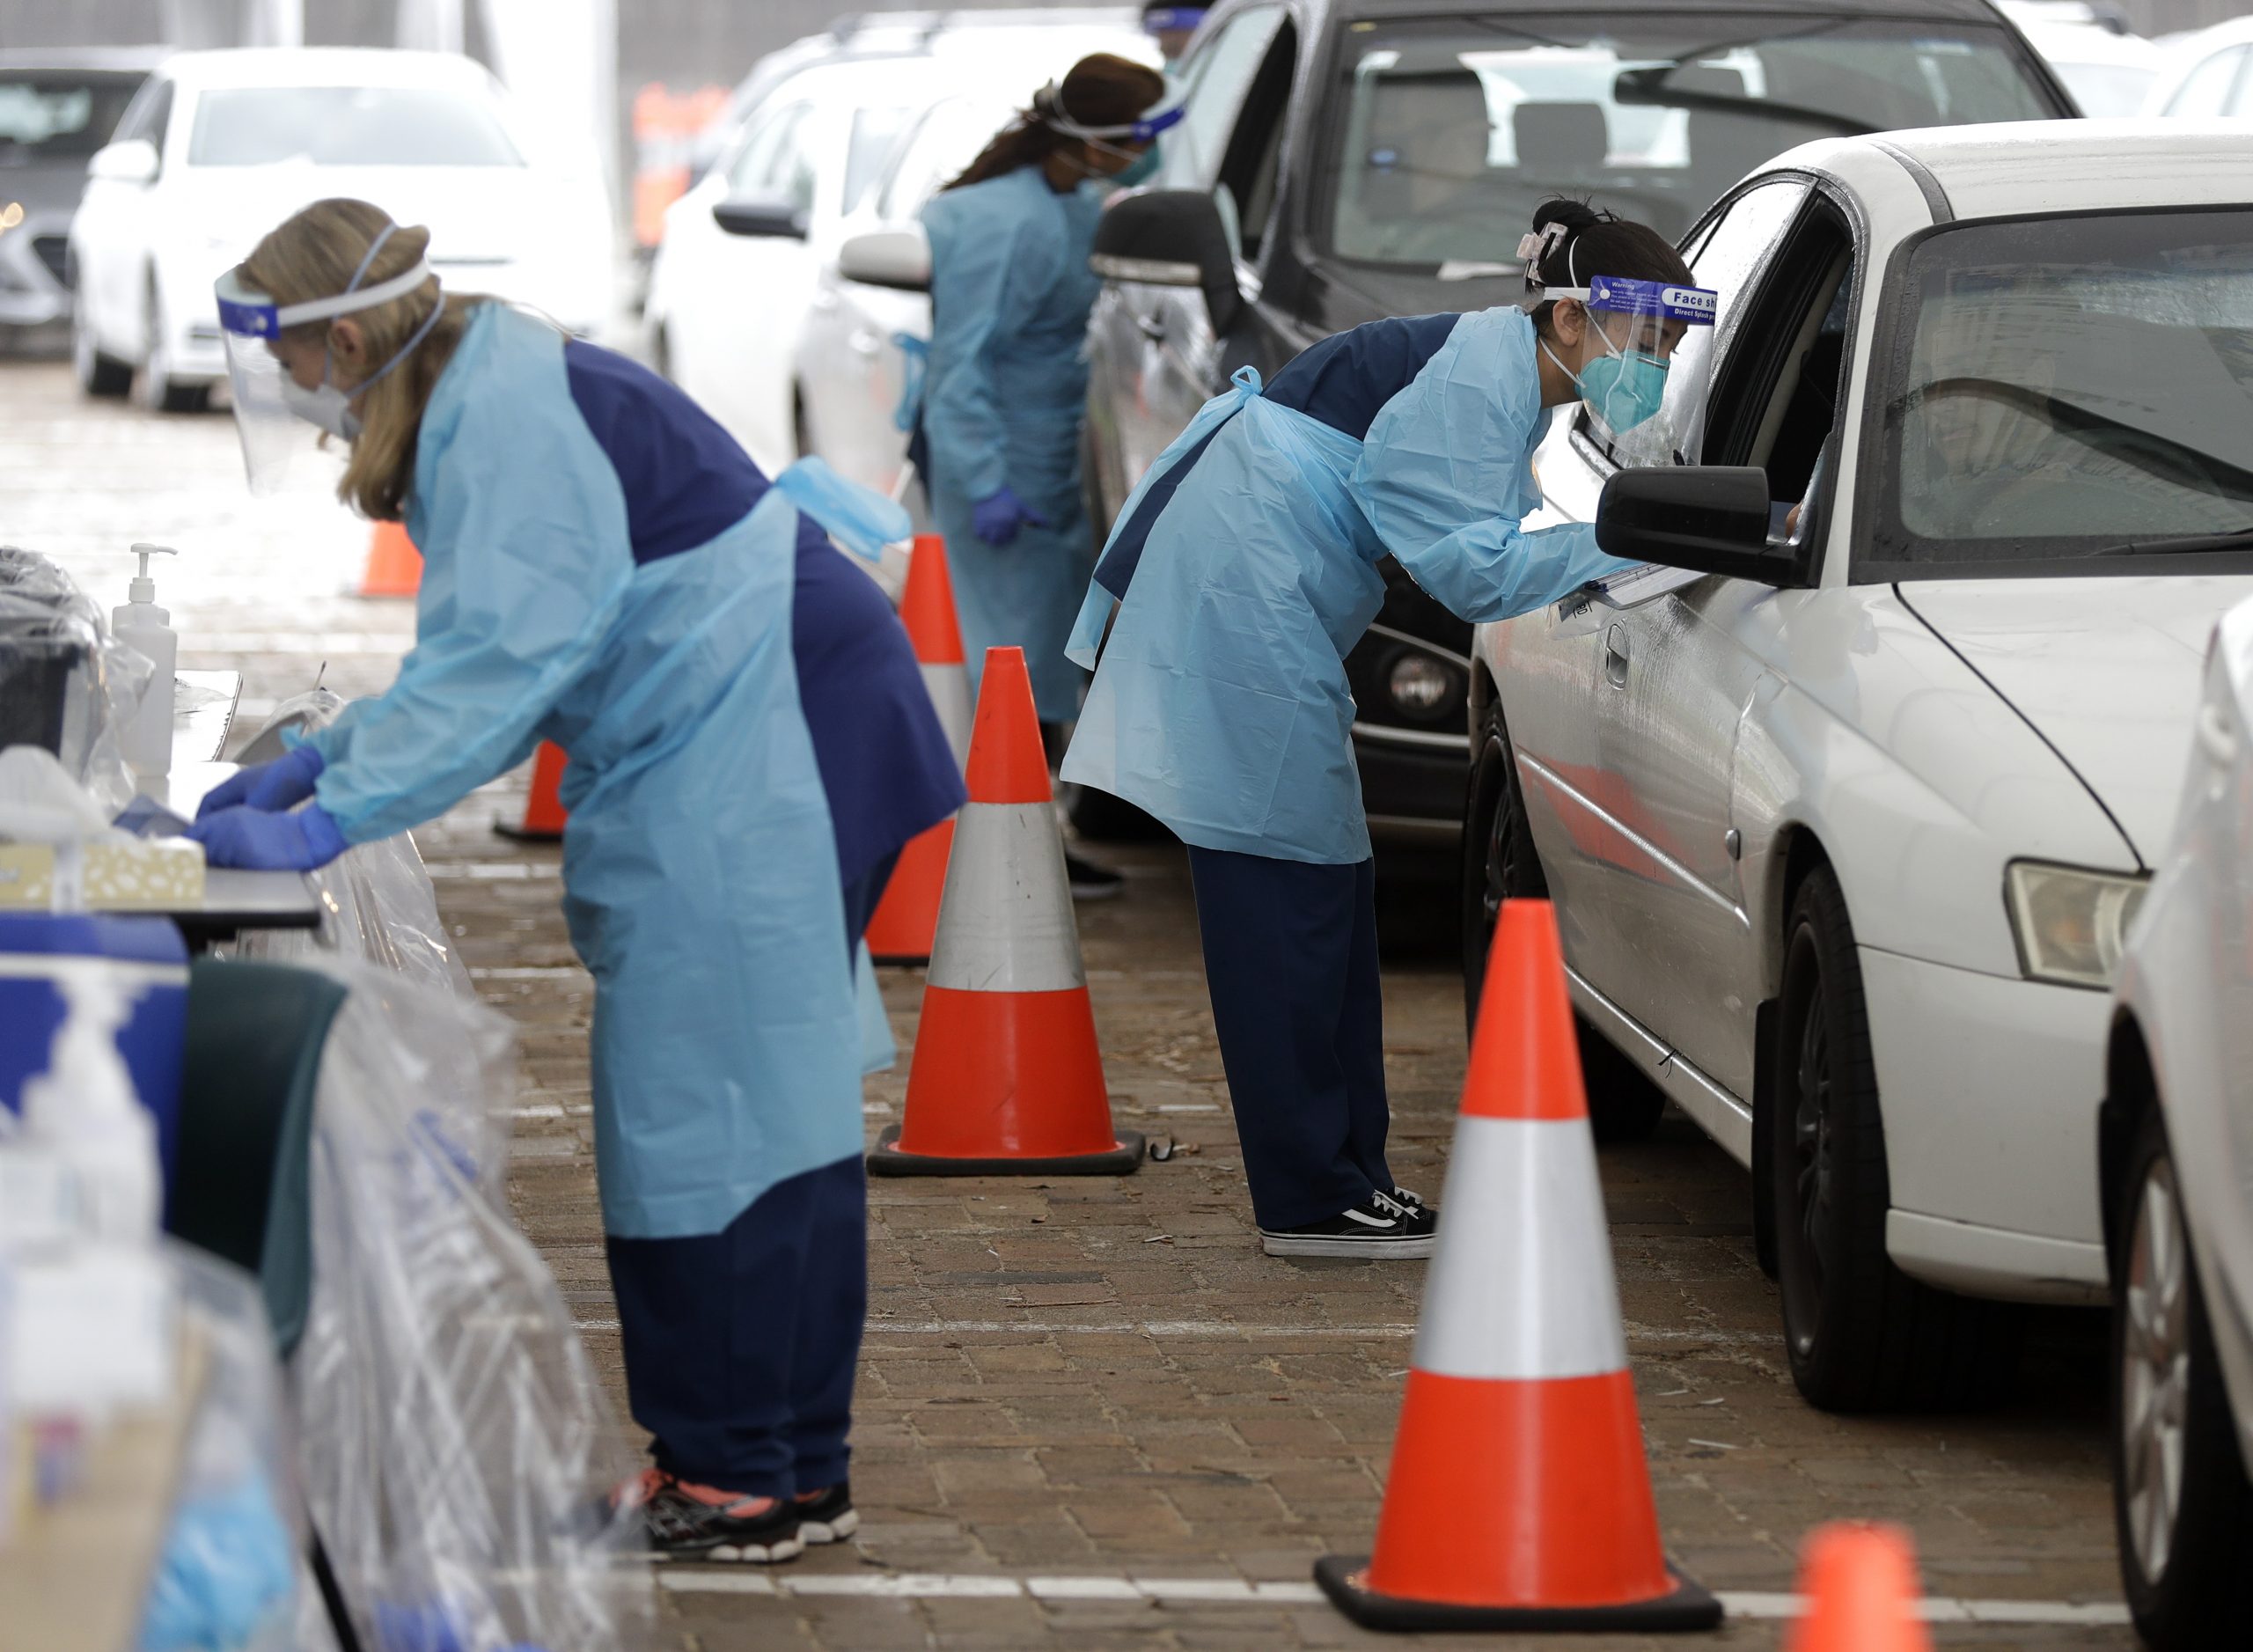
2235, 539
1649, 88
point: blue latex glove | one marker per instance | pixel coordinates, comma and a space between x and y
997, 518
283, 784
263, 842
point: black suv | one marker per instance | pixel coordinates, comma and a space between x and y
1342, 160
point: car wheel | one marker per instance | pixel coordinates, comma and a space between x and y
1862, 1334
100, 376
159, 392
2180, 1497
1500, 863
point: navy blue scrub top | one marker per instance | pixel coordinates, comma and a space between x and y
884, 759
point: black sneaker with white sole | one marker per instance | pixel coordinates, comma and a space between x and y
828, 1517
683, 1522
1380, 1226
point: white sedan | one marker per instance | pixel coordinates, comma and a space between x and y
1843, 833
219, 147
2176, 1141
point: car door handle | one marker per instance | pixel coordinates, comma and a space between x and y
2216, 736
862, 341
1615, 656
1150, 329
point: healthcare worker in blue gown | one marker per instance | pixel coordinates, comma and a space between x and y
1005, 389
750, 744
1243, 569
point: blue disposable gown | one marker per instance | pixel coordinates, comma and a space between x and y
1004, 392
700, 866
1221, 704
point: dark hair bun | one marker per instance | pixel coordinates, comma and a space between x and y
1575, 216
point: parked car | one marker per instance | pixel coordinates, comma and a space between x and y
2176, 1141
1341, 162
2205, 74
2109, 71
851, 369
1844, 834
218, 147
57, 108
742, 259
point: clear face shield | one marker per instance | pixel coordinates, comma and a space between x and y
274, 414
1646, 365
1132, 143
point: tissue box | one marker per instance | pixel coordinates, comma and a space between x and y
27, 874
130, 874
147, 874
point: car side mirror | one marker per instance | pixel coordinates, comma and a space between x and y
900, 258
133, 161
1171, 238
1709, 519
775, 218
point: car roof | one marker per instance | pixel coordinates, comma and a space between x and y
1966, 11
99, 60
324, 66
2018, 167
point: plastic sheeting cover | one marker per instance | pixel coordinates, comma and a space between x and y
66, 684
455, 1444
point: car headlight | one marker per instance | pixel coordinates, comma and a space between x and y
1419, 685
2072, 925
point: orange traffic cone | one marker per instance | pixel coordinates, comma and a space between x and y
1519, 1499
544, 811
908, 918
1006, 1078
394, 566
1860, 1583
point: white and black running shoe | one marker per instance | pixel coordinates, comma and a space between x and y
827, 1516
1381, 1226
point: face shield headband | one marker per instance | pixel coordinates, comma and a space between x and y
1048, 104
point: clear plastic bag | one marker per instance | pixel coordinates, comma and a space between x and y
455, 1445
66, 684
377, 902
232, 1575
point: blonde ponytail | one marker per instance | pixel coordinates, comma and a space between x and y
313, 256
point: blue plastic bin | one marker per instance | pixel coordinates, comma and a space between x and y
146, 954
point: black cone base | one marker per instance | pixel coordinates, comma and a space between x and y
523, 834
1689, 1608
888, 1160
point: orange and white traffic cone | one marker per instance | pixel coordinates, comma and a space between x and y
907, 920
1519, 1499
394, 566
544, 811
1006, 1079
1859, 1582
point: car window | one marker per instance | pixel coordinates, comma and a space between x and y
876, 129
347, 126
148, 115
2205, 90
1447, 133
1250, 167
54, 115
761, 165
1728, 258
2059, 386
948, 139
1214, 82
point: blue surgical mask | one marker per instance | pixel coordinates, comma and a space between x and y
1622, 388
1142, 171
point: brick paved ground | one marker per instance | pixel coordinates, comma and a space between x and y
1104, 1379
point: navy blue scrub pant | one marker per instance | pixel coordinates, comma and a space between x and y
1290, 959
740, 1345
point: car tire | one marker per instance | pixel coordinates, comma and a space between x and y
2181, 1501
1862, 1334
1499, 863
103, 377
159, 392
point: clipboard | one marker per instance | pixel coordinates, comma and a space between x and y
1585, 609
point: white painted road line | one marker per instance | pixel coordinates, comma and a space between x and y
878, 1329
1234, 1591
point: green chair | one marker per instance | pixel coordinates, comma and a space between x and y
242, 1181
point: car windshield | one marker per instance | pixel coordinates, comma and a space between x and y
1450, 132
348, 126
2107, 90
57, 116
2066, 387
